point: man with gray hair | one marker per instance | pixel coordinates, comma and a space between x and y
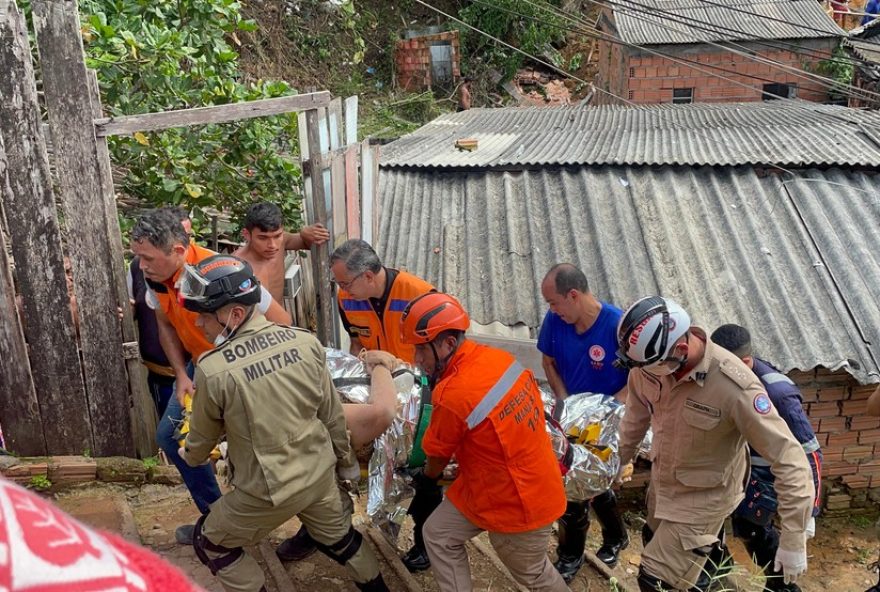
372, 298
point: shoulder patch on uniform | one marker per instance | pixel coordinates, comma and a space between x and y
762, 403
738, 373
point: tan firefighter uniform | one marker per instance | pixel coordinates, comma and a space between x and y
701, 426
269, 391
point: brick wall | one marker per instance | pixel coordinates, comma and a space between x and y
642, 77
412, 58
850, 440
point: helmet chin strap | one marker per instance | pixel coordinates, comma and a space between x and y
226, 324
440, 365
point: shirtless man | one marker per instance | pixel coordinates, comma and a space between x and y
267, 243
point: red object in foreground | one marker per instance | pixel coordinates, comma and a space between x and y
42, 549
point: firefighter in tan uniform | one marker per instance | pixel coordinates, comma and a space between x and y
267, 387
704, 406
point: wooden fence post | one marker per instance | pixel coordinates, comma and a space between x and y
320, 254
36, 248
16, 382
143, 410
75, 155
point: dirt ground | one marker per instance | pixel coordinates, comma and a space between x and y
839, 555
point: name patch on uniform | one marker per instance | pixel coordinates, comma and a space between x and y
702, 408
762, 404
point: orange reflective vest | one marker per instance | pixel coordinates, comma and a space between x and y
384, 333
489, 415
183, 321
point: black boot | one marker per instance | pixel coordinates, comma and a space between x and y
614, 537
377, 584
572, 534
297, 547
428, 496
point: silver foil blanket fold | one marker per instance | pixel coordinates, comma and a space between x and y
588, 473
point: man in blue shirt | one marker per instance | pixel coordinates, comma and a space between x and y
579, 339
753, 519
872, 10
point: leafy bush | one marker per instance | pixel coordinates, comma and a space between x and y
531, 26
157, 55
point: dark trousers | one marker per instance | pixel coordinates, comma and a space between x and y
575, 522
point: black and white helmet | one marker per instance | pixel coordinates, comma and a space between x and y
648, 330
217, 281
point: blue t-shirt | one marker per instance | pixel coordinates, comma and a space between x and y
585, 362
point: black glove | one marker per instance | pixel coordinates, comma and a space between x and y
421, 482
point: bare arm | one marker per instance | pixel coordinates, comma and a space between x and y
356, 346
174, 351
434, 467
315, 234
874, 402
554, 378
277, 314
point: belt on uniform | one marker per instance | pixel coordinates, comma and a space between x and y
809, 447
158, 368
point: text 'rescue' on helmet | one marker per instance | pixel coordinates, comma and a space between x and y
217, 281
648, 330
429, 315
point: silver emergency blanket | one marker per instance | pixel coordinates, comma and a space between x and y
386, 486
588, 474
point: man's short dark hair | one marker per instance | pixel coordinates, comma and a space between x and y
179, 212
264, 215
733, 338
161, 228
567, 277
358, 256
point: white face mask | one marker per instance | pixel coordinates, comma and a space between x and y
221, 337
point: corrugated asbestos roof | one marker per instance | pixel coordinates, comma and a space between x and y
786, 133
867, 51
653, 22
796, 261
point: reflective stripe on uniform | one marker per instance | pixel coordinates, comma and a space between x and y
774, 377
809, 447
495, 394
760, 461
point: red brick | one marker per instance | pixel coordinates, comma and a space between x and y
844, 438
832, 456
854, 454
836, 470
854, 407
831, 424
824, 409
856, 481
864, 423
869, 470
815, 421
861, 392
869, 436
810, 395
832, 393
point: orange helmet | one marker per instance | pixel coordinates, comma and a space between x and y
429, 315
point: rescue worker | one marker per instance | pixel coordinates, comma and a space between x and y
163, 248
267, 244
704, 405
578, 339
372, 298
489, 415
266, 387
371, 301
753, 519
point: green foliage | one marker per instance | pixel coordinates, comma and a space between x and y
840, 69
151, 462
157, 55
39, 483
531, 26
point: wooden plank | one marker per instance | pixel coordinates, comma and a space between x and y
367, 194
36, 248
351, 120
337, 184
390, 556
66, 88
128, 124
283, 581
377, 198
352, 192
143, 410
334, 123
19, 408
320, 255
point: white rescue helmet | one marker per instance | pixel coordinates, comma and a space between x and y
648, 330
